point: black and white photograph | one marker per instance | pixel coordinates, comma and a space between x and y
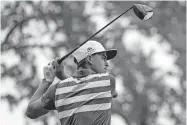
93, 62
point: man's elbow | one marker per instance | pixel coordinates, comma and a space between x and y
30, 114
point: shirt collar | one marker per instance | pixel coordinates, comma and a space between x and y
82, 73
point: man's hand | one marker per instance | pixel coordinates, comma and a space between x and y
60, 71
113, 86
53, 69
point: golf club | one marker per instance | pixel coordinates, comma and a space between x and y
143, 12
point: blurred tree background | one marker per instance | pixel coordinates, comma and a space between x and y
151, 90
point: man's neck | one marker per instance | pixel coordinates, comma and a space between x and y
83, 68
82, 73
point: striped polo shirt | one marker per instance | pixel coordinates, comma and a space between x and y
84, 99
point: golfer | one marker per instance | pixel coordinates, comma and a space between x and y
85, 97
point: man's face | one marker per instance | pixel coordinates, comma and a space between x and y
99, 62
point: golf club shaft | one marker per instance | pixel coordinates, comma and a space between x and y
63, 58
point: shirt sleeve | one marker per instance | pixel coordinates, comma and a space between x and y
113, 86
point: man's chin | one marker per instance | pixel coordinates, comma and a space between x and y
105, 70
102, 71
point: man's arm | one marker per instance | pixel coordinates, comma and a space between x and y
43, 99
35, 107
113, 85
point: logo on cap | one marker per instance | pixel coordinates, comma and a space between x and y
90, 51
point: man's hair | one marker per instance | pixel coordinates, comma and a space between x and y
82, 63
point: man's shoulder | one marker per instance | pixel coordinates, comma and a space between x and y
100, 74
88, 77
111, 76
66, 80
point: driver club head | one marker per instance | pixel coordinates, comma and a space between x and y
144, 12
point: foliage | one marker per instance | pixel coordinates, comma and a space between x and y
145, 95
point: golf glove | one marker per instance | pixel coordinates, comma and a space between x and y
50, 70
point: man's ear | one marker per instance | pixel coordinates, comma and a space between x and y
89, 59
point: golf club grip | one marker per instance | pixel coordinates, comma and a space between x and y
63, 58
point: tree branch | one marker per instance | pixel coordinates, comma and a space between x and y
16, 24
34, 46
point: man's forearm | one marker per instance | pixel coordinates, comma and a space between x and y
35, 107
42, 88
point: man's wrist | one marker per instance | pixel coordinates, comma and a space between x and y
49, 79
46, 83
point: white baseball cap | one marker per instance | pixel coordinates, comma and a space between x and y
92, 47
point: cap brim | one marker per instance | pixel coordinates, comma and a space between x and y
111, 53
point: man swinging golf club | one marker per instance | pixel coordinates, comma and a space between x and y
85, 97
